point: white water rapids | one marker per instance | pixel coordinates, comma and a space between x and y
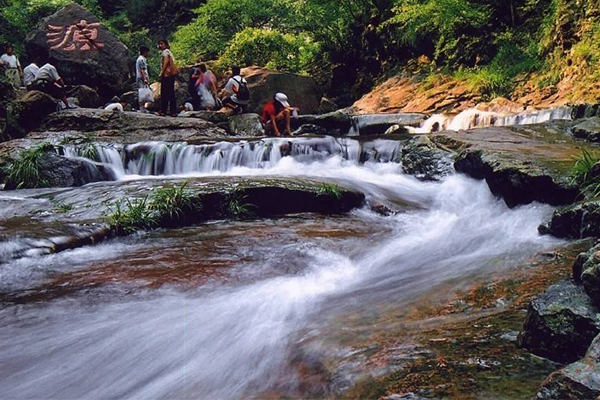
234, 340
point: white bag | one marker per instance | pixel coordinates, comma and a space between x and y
145, 95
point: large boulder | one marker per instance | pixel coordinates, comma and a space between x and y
586, 270
576, 221
580, 380
7, 95
337, 123
561, 323
588, 129
246, 125
303, 91
85, 95
82, 49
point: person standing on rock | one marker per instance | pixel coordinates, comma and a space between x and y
277, 116
207, 88
48, 81
238, 94
142, 78
12, 66
168, 73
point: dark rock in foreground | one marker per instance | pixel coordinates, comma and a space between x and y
580, 380
576, 221
586, 270
561, 323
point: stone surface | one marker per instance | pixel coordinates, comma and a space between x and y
85, 95
378, 124
580, 380
7, 95
337, 123
303, 91
215, 117
246, 125
99, 60
561, 323
28, 111
423, 159
576, 221
130, 127
58, 171
521, 164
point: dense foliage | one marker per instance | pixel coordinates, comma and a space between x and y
349, 44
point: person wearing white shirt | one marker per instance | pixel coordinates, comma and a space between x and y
141, 75
29, 75
48, 81
12, 66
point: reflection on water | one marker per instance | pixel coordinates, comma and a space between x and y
215, 311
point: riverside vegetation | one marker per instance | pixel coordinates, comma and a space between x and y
494, 47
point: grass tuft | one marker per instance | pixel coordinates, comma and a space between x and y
329, 190
238, 207
23, 172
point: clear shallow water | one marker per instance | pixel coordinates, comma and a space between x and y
216, 311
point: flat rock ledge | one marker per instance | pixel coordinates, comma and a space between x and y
130, 127
263, 198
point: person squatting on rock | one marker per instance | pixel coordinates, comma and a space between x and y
12, 67
48, 81
167, 75
142, 78
237, 92
277, 116
29, 75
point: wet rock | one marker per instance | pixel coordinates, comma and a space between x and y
586, 269
423, 159
7, 95
378, 124
310, 130
405, 396
337, 123
86, 96
580, 380
561, 323
58, 171
516, 178
585, 110
102, 62
588, 129
576, 221
246, 125
130, 127
303, 91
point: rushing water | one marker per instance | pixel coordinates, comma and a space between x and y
474, 118
216, 311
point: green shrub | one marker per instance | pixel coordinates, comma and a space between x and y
23, 172
217, 23
171, 204
270, 48
581, 173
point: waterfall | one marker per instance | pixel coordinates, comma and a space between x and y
474, 118
159, 158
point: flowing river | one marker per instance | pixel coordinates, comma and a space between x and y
227, 309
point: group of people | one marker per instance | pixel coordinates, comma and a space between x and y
45, 78
202, 87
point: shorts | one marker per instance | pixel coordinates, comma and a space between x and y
229, 100
49, 88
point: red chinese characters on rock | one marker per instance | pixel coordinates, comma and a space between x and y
82, 36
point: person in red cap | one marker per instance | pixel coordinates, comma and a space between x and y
277, 116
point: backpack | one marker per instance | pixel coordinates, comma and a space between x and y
243, 92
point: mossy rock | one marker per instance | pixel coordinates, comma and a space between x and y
561, 323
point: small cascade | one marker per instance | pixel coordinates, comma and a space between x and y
159, 158
474, 118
